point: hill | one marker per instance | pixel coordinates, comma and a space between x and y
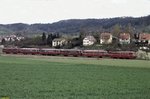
140, 24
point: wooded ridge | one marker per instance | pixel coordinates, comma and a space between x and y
140, 24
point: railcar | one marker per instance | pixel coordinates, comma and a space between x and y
10, 50
46, 51
122, 54
32, 51
70, 52
94, 53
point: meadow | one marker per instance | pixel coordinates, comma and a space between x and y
39, 77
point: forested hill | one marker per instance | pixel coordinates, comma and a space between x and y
141, 24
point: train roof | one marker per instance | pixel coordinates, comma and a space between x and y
49, 49
122, 51
95, 51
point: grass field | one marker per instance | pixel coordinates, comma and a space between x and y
33, 77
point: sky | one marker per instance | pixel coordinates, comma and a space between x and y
49, 11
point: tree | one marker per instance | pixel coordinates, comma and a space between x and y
57, 35
129, 29
97, 36
81, 37
3, 42
44, 38
49, 39
116, 30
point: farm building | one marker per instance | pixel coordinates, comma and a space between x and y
105, 38
88, 40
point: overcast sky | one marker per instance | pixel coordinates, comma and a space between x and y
48, 11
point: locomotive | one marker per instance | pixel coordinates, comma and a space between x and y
72, 52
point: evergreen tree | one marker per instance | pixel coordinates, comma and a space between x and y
81, 37
49, 39
44, 38
3, 42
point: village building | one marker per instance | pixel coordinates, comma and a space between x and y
11, 38
59, 42
20, 38
124, 38
88, 40
144, 38
105, 38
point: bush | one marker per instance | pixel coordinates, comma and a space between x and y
143, 55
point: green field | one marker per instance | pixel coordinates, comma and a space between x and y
33, 77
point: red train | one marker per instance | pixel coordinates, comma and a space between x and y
72, 52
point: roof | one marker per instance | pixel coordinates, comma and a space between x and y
144, 36
95, 51
105, 36
124, 36
59, 39
91, 38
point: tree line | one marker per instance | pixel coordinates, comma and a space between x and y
141, 24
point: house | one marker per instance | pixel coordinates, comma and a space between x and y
144, 38
124, 38
20, 38
88, 40
59, 42
105, 38
12, 38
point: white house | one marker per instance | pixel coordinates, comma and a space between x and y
59, 42
105, 38
124, 38
88, 40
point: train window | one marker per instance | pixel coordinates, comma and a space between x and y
130, 53
42, 50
